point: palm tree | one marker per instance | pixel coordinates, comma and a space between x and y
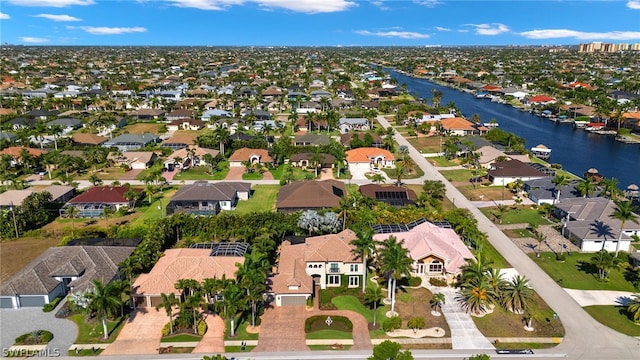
373, 295
517, 294
476, 295
559, 181
194, 302
71, 212
603, 261
610, 188
123, 288
106, 212
623, 212
497, 283
586, 187
168, 302
234, 301
129, 268
436, 302
378, 178
104, 301
633, 307
476, 268
540, 238
395, 262
364, 247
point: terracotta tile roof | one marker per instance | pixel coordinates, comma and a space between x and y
14, 151
178, 264
428, 239
91, 139
457, 123
310, 195
197, 151
331, 247
365, 154
541, 99
245, 154
102, 194
182, 138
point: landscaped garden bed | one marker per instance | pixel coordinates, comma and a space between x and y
37, 337
328, 327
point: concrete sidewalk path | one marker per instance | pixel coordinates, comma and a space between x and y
600, 297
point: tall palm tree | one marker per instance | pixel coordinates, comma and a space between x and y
633, 307
373, 295
517, 294
559, 181
105, 302
395, 261
623, 212
586, 187
610, 188
603, 261
128, 268
476, 295
72, 213
168, 302
436, 302
378, 178
364, 247
497, 283
476, 268
194, 302
234, 301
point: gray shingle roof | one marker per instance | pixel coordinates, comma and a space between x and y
204, 191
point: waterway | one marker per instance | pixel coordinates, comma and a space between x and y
576, 149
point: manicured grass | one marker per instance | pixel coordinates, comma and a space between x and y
263, 199
237, 349
518, 233
519, 215
442, 161
329, 334
349, 302
181, 338
85, 352
615, 317
252, 176
328, 347
153, 212
503, 323
277, 173
577, 272
457, 175
415, 173
499, 262
241, 331
110, 173
91, 333
180, 350
201, 173
425, 144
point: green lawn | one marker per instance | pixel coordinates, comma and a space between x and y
237, 349
91, 333
442, 161
349, 302
201, 173
520, 215
85, 352
577, 273
615, 317
181, 338
241, 331
152, 211
499, 262
457, 175
416, 173
263, 199
277, 173
329, 334
252, 176
328, 347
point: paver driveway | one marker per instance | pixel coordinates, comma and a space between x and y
213, 340
141, 334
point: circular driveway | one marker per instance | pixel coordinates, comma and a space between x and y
22, 321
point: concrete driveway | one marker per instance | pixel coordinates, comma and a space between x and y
141, 334
600, 297
22, 321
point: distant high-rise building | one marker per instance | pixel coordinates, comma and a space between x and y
599, 46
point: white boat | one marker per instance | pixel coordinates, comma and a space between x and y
541, 152
491, 125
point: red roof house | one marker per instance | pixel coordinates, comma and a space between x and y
92, 202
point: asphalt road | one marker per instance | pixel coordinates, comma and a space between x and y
584, 337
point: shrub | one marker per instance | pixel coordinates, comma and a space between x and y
166, 329
202, 327
392, 323
412, 133
437, 281
561, 257
415, 281
416, 323
52, 305
46, 336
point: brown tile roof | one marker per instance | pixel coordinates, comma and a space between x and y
513, 168
182, 138
102, 194
291, 272
311, 195
365, 154
460, 124
178, 264
88, 262
14, 151
90, 139
245, 153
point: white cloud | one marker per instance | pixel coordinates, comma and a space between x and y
34, 40
4, 16
633, 4
51, 3
439, 28
395, 34
103, 30
303, 6
59, 18
428, 3
380, 4
490, 29
463, 31
581, 35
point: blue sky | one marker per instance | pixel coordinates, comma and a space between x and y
318, 22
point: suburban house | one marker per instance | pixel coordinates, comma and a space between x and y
462, 127
147, 114
353, 124
369, 158
179, 140
437, 251
187, 157
15, 152
67, 124
311, 140
22, 123
543, 191
60, 270
305, 160
185, 124
506, 172
59, 194
320, 261
179, 114
204, 198
390, 194
84, 139
347, 139
94, 200
540, 100
489, 155
205, 262
310, 195
588, 224
215, 113
128, 142
136, 160
260, 156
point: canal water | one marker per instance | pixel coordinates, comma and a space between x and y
576, 149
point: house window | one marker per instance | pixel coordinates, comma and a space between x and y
435, 267
353, 268
204, 203
334, 268
333, 280
354, 281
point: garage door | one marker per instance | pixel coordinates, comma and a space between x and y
293, 300
31, 301
6, 303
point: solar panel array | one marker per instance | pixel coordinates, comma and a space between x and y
223, 248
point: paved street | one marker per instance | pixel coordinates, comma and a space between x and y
585, 338
23, 321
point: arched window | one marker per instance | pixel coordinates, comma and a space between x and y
435, 266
